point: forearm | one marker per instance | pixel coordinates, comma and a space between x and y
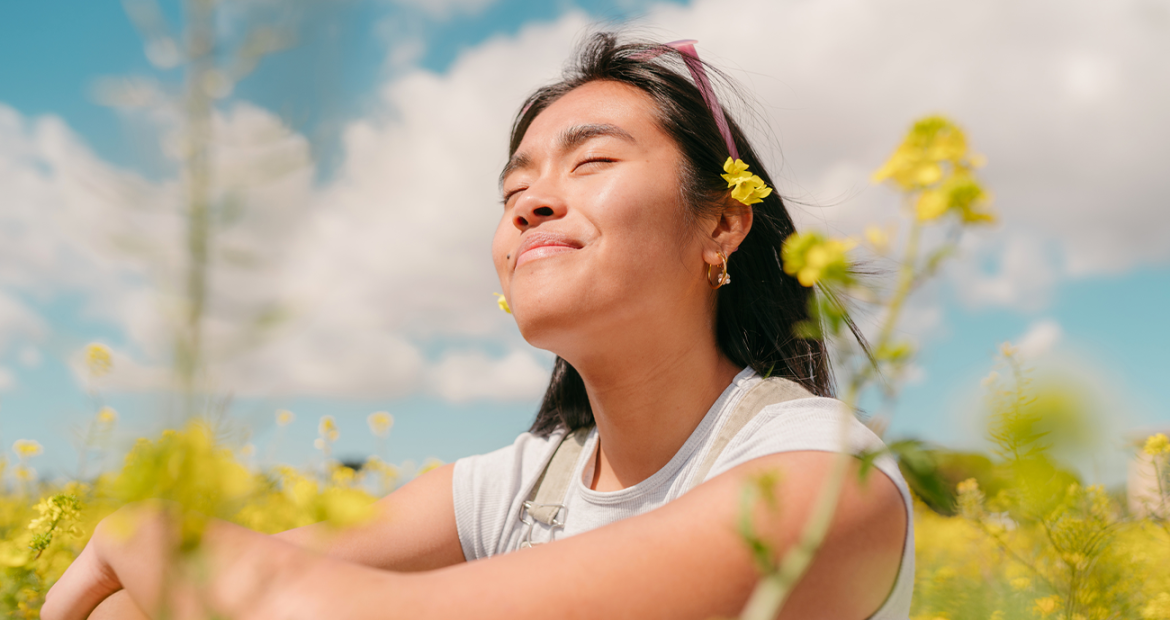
118, 606
237, 573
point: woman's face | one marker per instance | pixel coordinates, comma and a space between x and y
593, 247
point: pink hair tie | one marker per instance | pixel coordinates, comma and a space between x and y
748, 189
686, 47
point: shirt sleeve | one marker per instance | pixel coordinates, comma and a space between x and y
489, 488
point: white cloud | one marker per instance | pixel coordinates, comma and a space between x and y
7, 379
1064, 101
471, 376
30, 357
1040, 338
371, 269
18, 322
444, 9
1005, 269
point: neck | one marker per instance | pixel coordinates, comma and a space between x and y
647, 404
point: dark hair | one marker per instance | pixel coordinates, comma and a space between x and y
756, 317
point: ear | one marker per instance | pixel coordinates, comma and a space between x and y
727, 231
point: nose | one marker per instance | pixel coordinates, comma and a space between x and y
537, 205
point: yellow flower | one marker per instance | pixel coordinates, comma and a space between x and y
342, 476
284, 417
24, 473
98, 359
327, 428
1021, 583
812, 258
380, 423
1157, 608
878, 238
749, 189
960, 194
1047, 605
24, 448
107, 415
916, 163
502, 302
429, 464
1007, 350
1157, 444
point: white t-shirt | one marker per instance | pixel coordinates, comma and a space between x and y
490, 488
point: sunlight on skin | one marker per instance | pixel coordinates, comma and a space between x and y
632, 310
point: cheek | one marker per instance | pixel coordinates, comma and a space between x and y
650, 230
502, 243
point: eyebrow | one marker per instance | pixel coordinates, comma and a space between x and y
570, 139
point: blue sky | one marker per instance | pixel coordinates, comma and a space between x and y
1070, 124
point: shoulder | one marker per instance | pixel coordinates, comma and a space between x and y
811, 423
865, 561
527, 452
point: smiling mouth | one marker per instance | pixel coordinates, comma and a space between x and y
543, 245
542, 251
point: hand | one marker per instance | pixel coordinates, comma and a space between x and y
85, 584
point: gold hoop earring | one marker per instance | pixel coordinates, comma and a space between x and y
723, 277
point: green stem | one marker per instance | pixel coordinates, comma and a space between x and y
770, 594
907, 276
197, 161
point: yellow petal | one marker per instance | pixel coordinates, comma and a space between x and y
931, 204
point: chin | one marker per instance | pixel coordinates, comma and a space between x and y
544, 322
549, 314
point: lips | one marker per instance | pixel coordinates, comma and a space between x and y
537, 245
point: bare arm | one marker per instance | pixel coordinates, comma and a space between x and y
413, 529
681, 561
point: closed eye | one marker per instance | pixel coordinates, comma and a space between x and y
508, 194
594, 162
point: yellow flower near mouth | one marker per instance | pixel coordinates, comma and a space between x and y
748, 188
502, 302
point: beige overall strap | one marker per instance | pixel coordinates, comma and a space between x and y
548, 495
767, 392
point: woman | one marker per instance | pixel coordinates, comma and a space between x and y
616, 250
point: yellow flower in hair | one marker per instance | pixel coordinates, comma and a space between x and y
748, 188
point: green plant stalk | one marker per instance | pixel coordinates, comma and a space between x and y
907, 278
772, 591
197, 164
